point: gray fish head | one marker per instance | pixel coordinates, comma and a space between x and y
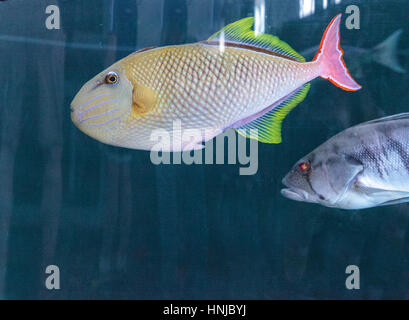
321, 177
101, 104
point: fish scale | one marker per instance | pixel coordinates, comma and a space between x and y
230, 85
385, 155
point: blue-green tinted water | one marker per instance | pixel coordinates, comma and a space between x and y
118, 226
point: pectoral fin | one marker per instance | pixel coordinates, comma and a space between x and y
397, 196
143, 99
397, 201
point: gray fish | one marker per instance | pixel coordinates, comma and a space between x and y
364, 166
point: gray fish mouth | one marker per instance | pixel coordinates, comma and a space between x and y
293, 194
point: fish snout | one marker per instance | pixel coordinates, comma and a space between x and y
292, 192
97, 109
75, 113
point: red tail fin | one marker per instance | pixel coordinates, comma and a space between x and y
329, 56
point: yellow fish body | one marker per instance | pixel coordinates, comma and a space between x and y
233, 80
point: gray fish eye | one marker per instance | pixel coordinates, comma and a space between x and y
304, 167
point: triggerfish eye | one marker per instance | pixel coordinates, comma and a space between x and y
305, 167
111, 78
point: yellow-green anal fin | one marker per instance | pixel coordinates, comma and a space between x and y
267, 128
241, 32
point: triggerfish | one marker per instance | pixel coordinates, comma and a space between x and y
236, 79
361, 167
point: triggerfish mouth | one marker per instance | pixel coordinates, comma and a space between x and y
236, 79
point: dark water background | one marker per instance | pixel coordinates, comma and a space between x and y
120, 227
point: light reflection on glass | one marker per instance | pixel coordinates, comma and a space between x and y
307, 8
259, 17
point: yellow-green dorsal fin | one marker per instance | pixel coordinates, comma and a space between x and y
268, 126
241, 32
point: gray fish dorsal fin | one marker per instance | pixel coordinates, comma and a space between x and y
241, 32
400, 116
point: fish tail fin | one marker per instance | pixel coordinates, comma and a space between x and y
329, 57
385, 53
